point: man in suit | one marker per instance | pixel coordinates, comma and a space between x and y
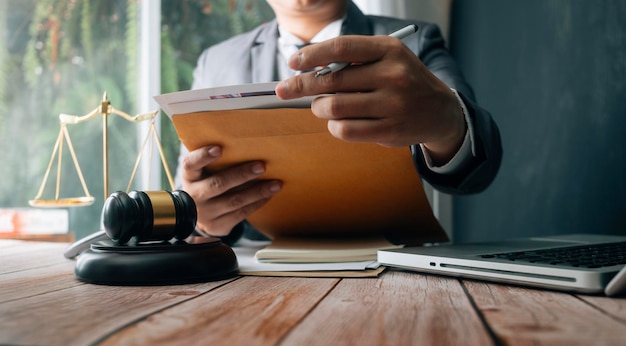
396, 93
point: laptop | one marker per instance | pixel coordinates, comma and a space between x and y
582, 263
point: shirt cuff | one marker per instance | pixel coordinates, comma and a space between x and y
465, 153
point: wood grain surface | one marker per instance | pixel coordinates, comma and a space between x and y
42, 303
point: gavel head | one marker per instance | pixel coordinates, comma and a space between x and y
148, 216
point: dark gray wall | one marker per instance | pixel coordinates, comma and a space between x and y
553, 75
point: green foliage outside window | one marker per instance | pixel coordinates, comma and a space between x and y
60, 56
190, 26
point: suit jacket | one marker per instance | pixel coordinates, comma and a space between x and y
251, 58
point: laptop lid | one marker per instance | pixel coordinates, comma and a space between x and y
481, 261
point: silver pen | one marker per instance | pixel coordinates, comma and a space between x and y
338, 66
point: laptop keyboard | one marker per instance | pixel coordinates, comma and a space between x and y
582, 256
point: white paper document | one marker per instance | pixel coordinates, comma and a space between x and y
247, 263
247, 96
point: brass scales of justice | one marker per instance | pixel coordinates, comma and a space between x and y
108, 262
105, 109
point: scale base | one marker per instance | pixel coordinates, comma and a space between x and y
161, 263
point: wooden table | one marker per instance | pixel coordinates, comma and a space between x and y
42, 303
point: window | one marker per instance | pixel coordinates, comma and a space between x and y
61, 56
187, 28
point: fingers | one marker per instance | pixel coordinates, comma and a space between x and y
222, 225
217, 183
387, 96
366, 130
225, 197
354, 49
307, 84
194, 170
240, 198
219, 215
361, 76
364, 105
195, 161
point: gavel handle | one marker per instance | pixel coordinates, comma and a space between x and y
83, 244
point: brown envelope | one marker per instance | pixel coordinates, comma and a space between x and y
330, 187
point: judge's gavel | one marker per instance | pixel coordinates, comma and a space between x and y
148, 216
150, 219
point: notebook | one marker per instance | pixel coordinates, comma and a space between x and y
322, 249
582, 263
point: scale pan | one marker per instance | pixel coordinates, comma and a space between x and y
63, 202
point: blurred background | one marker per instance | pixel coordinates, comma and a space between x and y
61, 56
551, 72
553, 75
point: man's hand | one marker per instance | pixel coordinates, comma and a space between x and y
387, 96
224, 198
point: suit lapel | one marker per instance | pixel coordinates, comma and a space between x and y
356, 22
263, 51
263, 54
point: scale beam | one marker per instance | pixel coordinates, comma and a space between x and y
105, 109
